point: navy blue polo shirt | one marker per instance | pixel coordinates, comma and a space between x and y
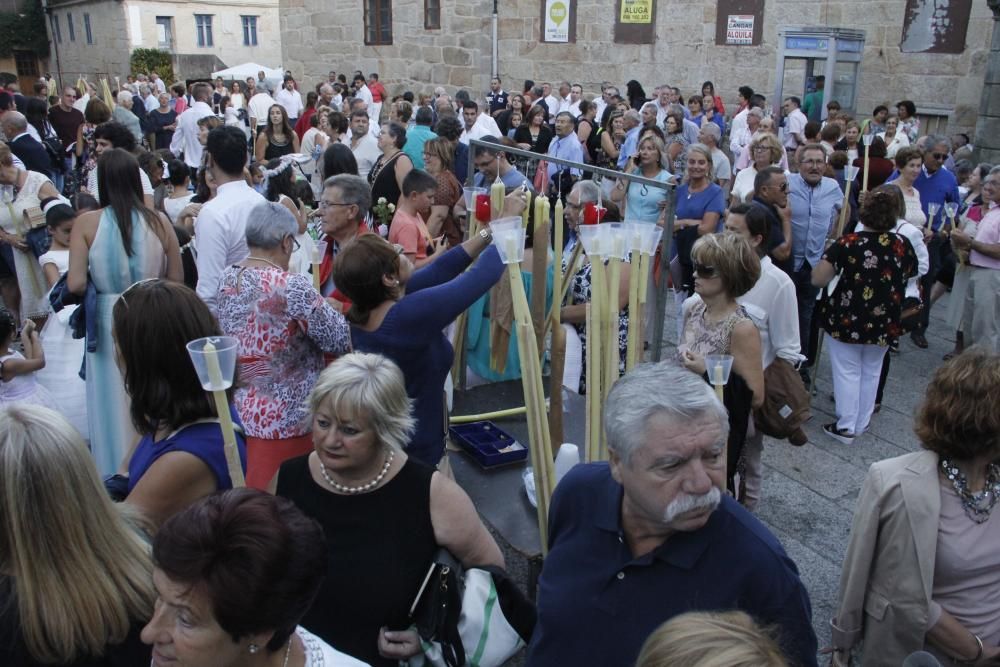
597, 603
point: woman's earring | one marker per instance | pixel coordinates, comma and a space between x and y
253, 648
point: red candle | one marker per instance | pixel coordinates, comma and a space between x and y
483, 207
592, 215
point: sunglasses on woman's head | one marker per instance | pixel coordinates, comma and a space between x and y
703, 271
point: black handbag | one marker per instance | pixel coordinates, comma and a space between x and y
54, 147
476, 616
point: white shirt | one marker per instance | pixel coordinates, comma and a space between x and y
600, 104
739, 123
160, 86
81, 104
337, 102
258, 106
795, 123
574, 108
484, 126
220, 236
92, 187
661, 113
151, 103
366, 152
772, 306
185, 138
291, 100
364, 93
722, 170
321, 654
553, 102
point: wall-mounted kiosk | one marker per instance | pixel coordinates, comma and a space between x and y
834, 53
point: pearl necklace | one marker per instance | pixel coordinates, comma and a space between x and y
352, 490
977, 505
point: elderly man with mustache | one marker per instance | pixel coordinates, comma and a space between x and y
650, 535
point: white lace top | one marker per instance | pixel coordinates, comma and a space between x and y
321, 654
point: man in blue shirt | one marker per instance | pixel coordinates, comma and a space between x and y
492, 161
649, 535
566, 145
816, 201
936, 185
418, 135
633, 127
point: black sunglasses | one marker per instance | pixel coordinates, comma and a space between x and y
703, 271
940, 156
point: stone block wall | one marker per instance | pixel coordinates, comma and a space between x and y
320, 35
324, 34
108, 56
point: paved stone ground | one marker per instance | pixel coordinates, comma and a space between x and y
809, 493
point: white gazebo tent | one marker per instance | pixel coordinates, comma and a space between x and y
241, 72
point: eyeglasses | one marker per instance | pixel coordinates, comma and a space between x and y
330, 204
295, 243
811, 163
940, 156
783, 187
135, 285
703, 271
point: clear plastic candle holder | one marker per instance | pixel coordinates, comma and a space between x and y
214, 360
319, 249
510, 244
718, 367
932, 210
505, 224
470, 197
851, 172
644, 237
868, 139
594, 240
617, 240
951, 209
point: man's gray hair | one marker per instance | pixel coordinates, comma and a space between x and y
713, 131
353, 190
650, 105
326, 89
934, 140
144, 89
124, 98
633, 115
994, 171
756, 111
651, 389
268, 224
589, 191
676, 108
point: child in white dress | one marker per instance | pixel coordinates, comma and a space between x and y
61, 375
17, 371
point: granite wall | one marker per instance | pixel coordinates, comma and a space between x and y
322, 34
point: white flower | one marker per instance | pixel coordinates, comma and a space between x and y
392, 208
381, 200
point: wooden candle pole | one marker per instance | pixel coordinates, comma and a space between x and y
595, 337
634, 312
611, 355
843, 209
233, 463
557, 367
590, 434
864, 177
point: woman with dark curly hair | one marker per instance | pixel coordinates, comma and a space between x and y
922, 570
862, 314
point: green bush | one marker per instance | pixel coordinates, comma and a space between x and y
144, 61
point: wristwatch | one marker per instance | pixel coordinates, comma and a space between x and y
485, 234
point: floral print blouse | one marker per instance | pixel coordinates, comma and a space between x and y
284, 327
865, 305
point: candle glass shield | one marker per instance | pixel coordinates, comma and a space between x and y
504, 224
851, 172
594, 240
932, 210
867, 139
718, 367
470, 195
951, 209
510, 244
484, 207
215, 367
617, 240
319, 250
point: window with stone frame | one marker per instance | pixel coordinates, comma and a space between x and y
203, 25
432, 14
378, 21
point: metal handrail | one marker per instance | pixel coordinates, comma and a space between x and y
668, 224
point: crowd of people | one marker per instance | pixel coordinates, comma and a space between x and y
326, 231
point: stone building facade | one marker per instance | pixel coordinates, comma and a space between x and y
95, 38
679, 47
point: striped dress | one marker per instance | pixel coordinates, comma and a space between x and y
112, 272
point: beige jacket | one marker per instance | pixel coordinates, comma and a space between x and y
888, 574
